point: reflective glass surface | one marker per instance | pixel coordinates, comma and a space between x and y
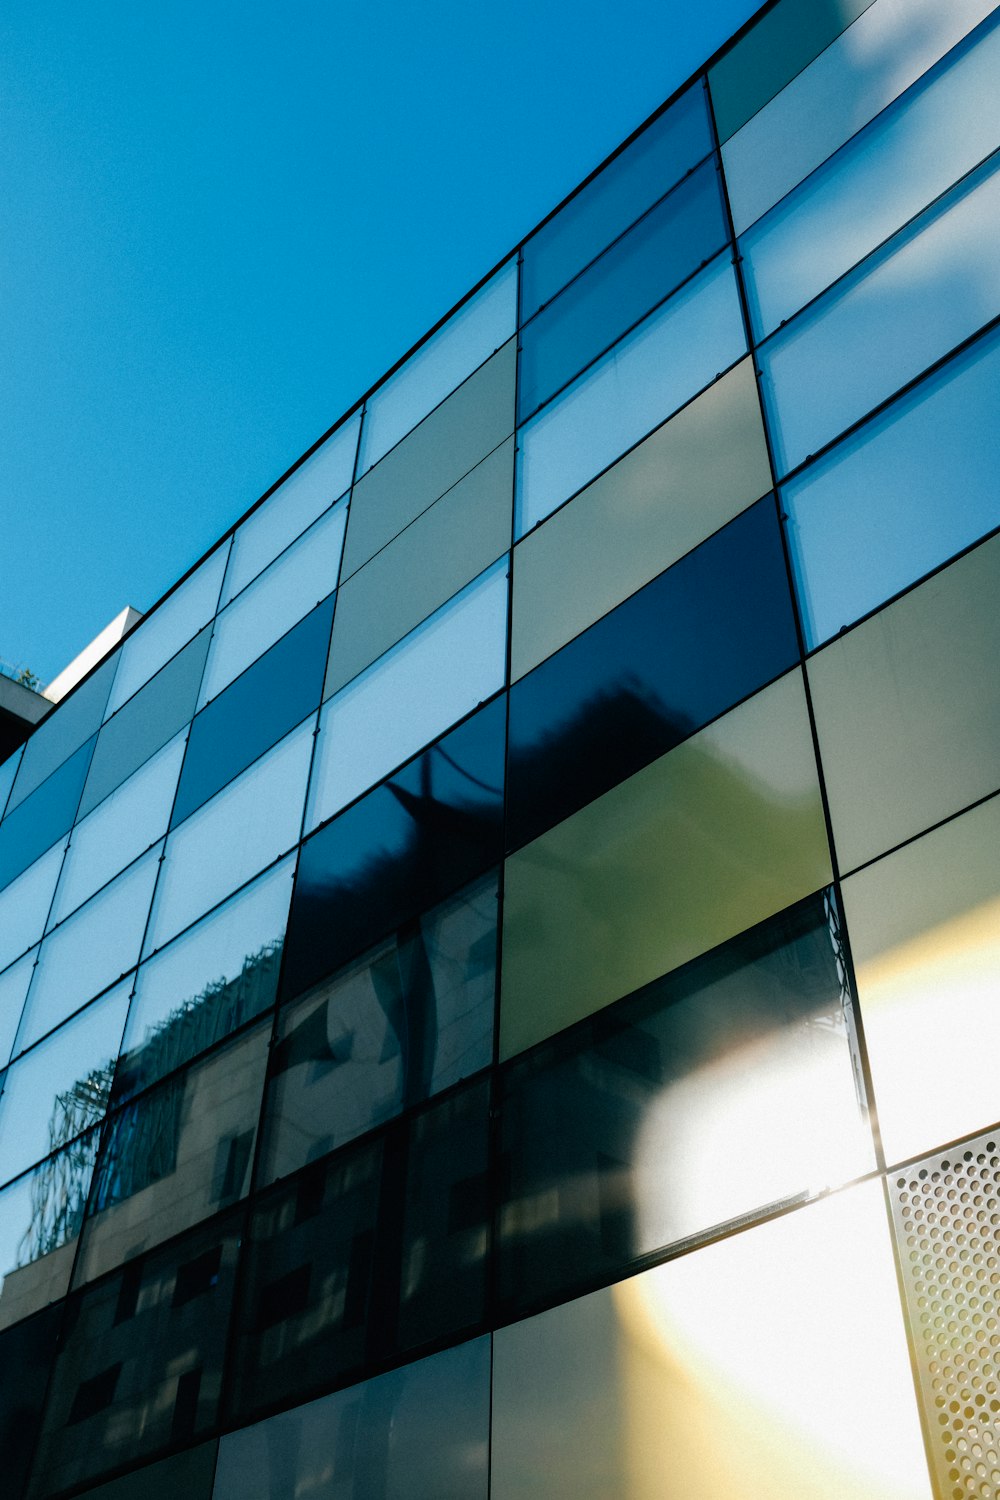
24, 904
96, 946
430, 829
187, 1474
900, 496
441, 671
13, 989
294, 506
706, 633
232, 838
907, 709
220, 974
672, 355
40, 1218
45, 816
705, 842
934, 285
468, 338
8, 770
255, 712
63, 731
170, 626
669, 243
416, 1433
410, 1018
614, 199
624, 1123
26, 1356
301, 578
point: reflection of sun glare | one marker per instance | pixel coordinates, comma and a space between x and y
773, 1364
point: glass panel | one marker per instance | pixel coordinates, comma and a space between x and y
673, 354
63, 731
187, 1474
124, 826
907, 710
141, 1361
706, 633
26, 1357
40, 1218
13, 989
303, 497
674, 239
751, 1367
60, 1089
300, 579
868, 67
44, 817
170, 626
777, 47
94, 948
24, 905
926, 946
626, 1124
454, 540
934, 286
709, 839
437, 824
175, 1155
442, 670
232, 838
902, 495
218, 976
697, 472
255, 711
409, 1019
436, 455
8, 770
420, 1432
469, 337
614, 199
147, 722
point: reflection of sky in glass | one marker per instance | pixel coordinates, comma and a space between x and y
24, 904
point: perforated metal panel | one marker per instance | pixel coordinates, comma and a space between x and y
947, 1213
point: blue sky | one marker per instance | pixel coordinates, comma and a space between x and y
223, 221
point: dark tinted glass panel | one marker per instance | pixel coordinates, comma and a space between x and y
708, 1095
27, 1354
408, 1019
706, 633
63, 732
43, 817
606, 207
186, 1476
141, 1361
426, 832
661, 251
256, 711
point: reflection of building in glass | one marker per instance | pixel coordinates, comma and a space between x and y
482, 962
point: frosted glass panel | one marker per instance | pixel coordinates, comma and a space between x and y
242, 829
24, 904
934, 286
461, 346
671, 356
867, 67
305, 495
157, 638
91, 950
900, 496
13, 989
437, 674
124, 826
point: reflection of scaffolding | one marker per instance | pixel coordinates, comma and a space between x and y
140, 1146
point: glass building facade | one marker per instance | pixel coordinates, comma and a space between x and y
483, 962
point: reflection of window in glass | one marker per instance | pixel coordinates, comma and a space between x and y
41, 1215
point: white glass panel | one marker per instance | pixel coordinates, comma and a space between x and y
460, 347
437, 674
91, 950
289, 589
13, 989
61, 1087
242, 829
162, 634
934, 286
937, 133
308, 492
673, 354
886, 50
24, 904
124, 826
